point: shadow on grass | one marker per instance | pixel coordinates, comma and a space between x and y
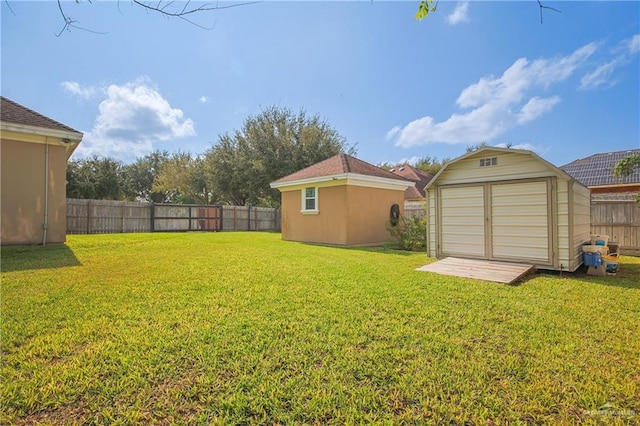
368, 249
21, 258
628, 276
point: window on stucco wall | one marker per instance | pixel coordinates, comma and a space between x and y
310, 200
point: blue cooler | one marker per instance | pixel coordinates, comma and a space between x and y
592, 259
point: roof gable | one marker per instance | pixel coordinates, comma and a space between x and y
13, 112
491, 151
597, 169
339, 165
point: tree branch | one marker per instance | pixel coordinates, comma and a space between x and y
542, 6
70, 23
170, 9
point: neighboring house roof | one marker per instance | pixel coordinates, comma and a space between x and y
597, 169
13, 112
418, 176
340, 164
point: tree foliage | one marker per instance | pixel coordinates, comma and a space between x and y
237, 170
140, 176
95, 178
424, 8
431, 164
625, 166
183, 178
273, 144
426, 164
408, 234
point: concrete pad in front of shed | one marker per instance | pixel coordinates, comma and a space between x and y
501, 272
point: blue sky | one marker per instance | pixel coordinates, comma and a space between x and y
396, 87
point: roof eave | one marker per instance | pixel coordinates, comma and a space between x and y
43, 131
374, 179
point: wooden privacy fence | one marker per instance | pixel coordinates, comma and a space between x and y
414, 210
619, 218
107, 217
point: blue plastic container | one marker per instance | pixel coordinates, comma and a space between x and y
592, 259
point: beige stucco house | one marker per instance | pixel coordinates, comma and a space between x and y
340, 201
507, 205
34, 150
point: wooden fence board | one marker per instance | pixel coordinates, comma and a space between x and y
619, 219
105, 216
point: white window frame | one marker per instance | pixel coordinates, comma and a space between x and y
304, 197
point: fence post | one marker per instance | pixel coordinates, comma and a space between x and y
153, 217
88, 216
249, 217
123, 209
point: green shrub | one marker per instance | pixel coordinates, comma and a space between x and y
409, 234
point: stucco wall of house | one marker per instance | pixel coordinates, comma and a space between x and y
328, 226
348, 215
23, 192
369, 210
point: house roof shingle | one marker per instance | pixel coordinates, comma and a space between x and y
337, 165
597, 169
13, 112
416, 175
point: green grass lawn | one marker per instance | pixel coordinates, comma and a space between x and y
243, 328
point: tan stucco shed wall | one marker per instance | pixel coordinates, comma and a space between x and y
329, 226
347, 215
369, 213
23, 192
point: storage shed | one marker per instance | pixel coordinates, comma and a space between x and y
340, 201
507, 205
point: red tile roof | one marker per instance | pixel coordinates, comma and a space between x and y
13, 112
420, 177
337, 165
412, 193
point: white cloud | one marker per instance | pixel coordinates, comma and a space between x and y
460, 13
603, 75
633, 44
203, 99
131, 119
75, 88
535, 108
493, 101
391, 133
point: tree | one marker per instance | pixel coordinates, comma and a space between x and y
183, 179
95, 178
471, 148
271, 145
426, 164
140, 176
431, 164
625, 166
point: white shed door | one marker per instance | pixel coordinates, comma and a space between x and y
520, 221
462, 221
